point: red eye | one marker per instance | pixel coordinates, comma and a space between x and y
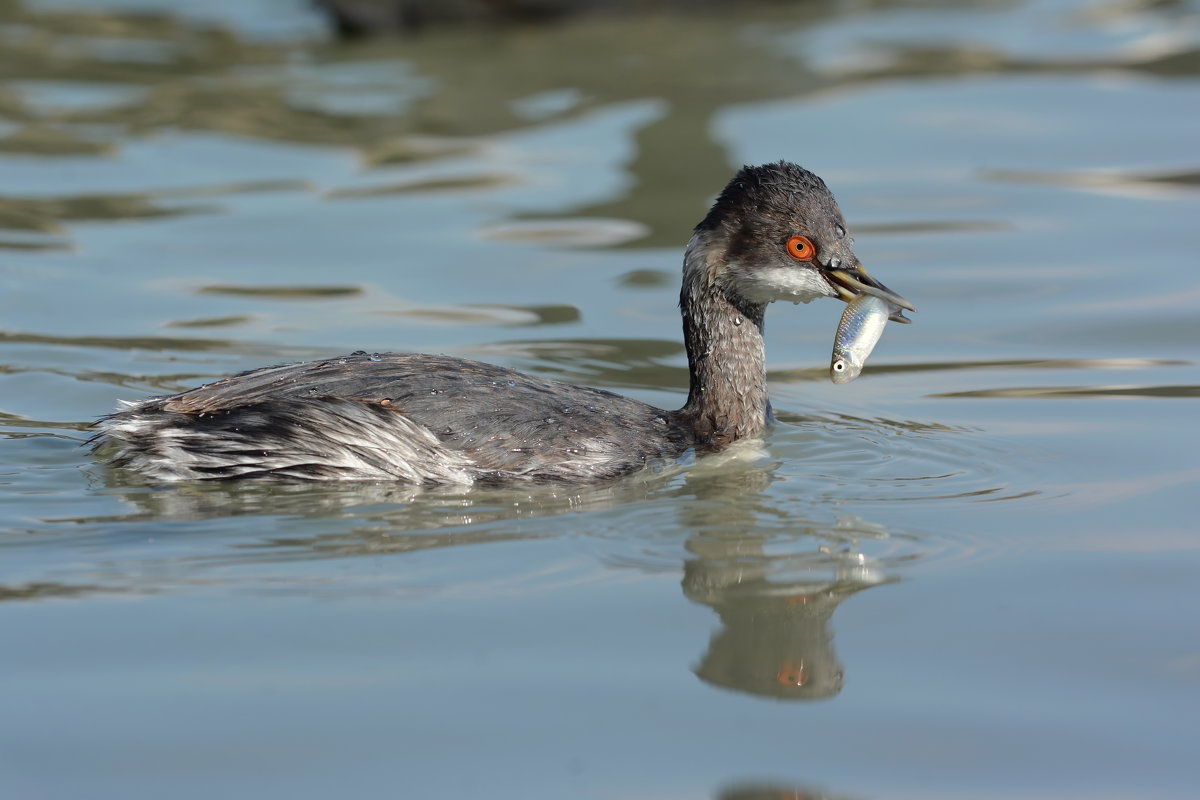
801, 248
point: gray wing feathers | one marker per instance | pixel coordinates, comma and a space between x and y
413, 418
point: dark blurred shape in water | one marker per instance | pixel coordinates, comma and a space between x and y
282, 292
358, 18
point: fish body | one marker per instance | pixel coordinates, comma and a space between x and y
861, 326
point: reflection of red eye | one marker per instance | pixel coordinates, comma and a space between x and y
801, 248
791, 674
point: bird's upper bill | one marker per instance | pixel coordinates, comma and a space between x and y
851, 283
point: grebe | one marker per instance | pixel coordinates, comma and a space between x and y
774, 233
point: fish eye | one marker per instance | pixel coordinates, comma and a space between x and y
801, 248
839, 365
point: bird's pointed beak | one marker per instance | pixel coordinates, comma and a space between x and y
851, 283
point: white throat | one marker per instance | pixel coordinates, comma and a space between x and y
768, 284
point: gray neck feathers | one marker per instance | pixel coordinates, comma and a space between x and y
723, 333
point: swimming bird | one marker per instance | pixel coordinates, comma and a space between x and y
774, 233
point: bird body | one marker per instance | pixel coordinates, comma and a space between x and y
392, 416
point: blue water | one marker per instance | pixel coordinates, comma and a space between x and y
970, 573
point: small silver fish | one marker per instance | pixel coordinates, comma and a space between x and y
861, 326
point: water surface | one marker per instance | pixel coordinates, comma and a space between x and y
970, 573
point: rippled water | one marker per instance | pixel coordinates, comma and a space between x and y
971, 573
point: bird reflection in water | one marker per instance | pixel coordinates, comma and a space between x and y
775, 791
775, 638
774, 582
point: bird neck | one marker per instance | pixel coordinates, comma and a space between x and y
723, 333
